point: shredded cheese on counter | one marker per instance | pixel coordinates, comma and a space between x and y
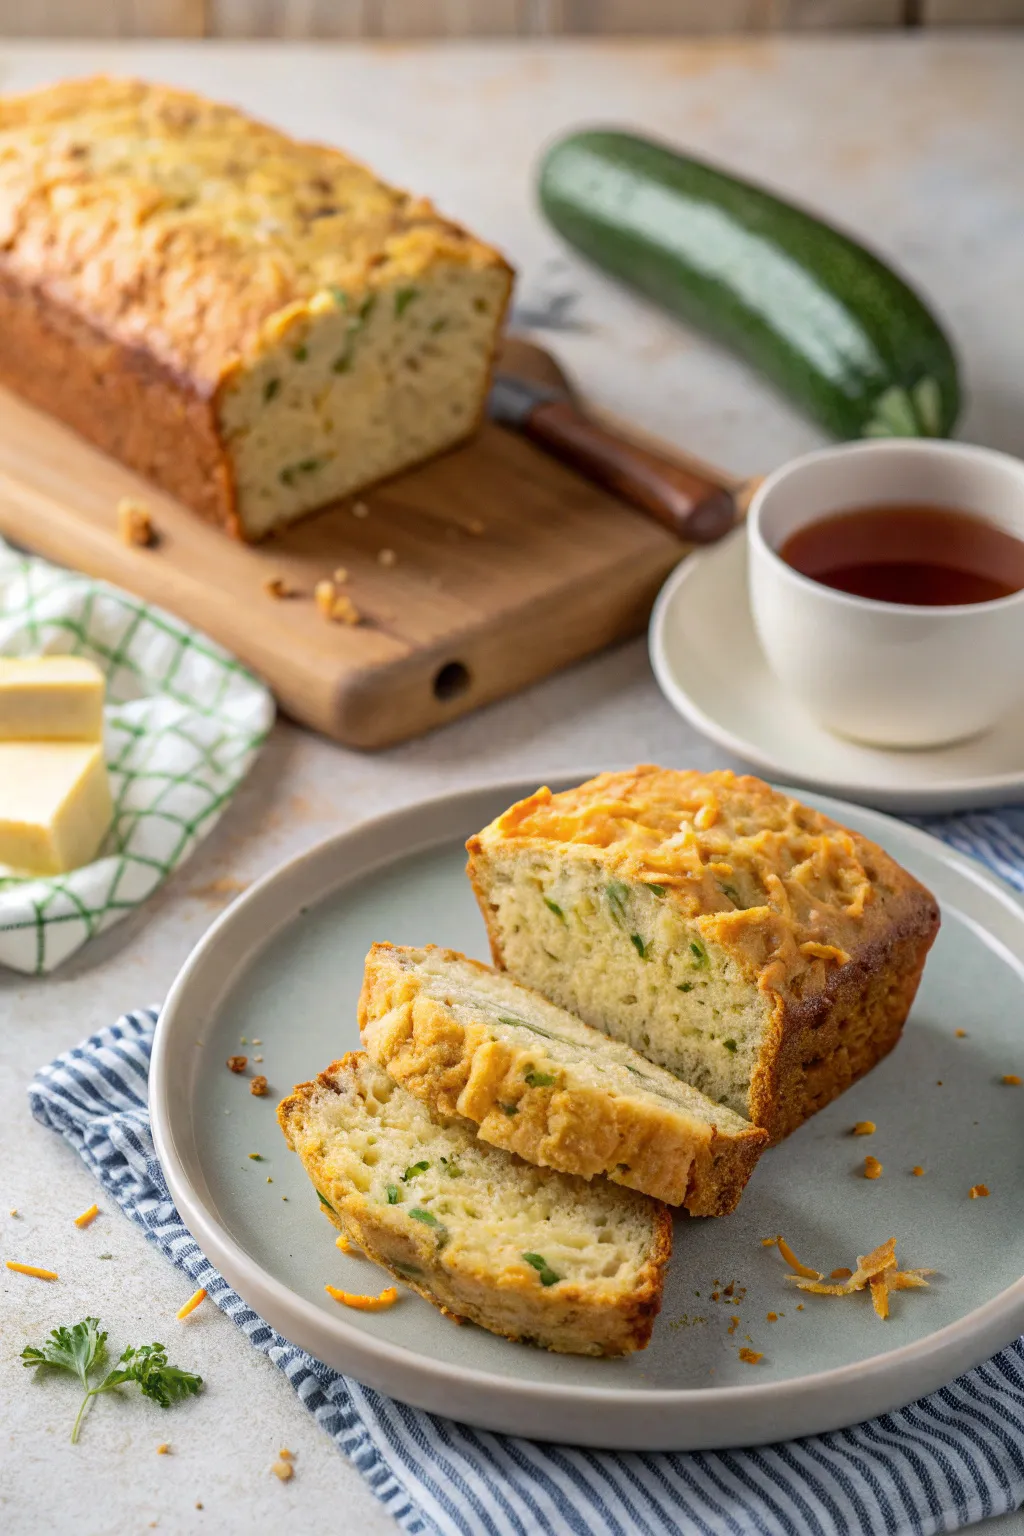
190, 1305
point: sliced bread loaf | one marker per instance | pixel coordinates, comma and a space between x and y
536, 1256
467, 1040
747, 942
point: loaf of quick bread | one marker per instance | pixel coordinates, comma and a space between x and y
259, 326
747, 943
525, 1252
533, 1079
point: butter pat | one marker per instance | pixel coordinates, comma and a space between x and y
50, 698
55, 805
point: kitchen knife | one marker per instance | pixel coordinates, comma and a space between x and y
694, 508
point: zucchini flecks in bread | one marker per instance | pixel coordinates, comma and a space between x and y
469, 1041
522, 1251
777, 965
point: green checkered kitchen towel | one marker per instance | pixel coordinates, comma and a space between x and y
184, 722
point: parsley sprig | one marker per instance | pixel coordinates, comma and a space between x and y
82, 1349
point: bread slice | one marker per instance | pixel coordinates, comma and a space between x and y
746, 942
537, 1256
470, 1041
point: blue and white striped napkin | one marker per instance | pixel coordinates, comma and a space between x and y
939, 1465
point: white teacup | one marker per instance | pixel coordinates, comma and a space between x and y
891, 674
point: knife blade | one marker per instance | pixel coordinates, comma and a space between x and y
690, 505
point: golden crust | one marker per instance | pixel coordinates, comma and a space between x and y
462, 1069
821, 920
567, 1318
188, 229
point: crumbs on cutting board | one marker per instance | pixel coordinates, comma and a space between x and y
135, 523
277, 587
337, 607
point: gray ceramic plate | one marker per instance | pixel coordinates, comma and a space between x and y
282, 966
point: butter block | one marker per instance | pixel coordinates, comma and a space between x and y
50, 698
55, 805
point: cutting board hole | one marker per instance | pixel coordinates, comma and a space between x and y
451, 681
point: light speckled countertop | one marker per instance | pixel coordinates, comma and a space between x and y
915, 142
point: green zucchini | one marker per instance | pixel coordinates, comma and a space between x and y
828, 322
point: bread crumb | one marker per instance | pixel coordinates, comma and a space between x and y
1012, 1080
360, 509
872, 1168
283, 1470
276, 586
269, 1179
339, 576
734, 1323
257, 1058
961, 1034
134, 523
840, 1274
163, 1449
258, 1086
917, 1171
343, 1242
237, 1063
864, 1128
750, 1356
13, 1211
387, 1298
799, 1306
387, 557
979, 1191
334, 605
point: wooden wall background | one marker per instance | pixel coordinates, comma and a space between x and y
479, 18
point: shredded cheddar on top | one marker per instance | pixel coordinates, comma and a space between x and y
87, 1216
387, 1298
750, 1356
45, 1274
190, 1305
775, 884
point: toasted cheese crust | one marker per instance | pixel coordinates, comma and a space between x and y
470, 1041
808, 935
536, 1256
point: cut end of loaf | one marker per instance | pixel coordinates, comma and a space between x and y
357, 386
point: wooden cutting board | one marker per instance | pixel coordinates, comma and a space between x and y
506, 567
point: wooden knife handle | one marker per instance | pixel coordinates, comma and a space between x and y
690, 506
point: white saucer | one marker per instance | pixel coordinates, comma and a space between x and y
709, 665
